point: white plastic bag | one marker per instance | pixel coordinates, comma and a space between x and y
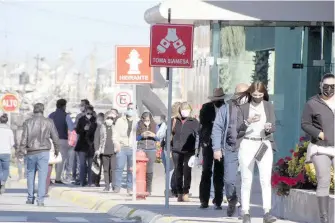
52, 158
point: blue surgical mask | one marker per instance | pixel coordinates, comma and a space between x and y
130, 113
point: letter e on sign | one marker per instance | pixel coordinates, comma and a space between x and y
123, 99
9, 103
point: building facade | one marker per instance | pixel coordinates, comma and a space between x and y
270, 41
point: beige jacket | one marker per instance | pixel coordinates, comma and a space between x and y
121, 130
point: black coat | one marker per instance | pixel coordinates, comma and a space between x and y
207, 117
186, 136
86, 137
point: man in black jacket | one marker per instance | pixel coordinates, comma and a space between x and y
207, 117
318, 122
35, 142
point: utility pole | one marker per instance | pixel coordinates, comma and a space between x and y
37, 58
93, 72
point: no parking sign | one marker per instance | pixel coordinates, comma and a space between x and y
122, 98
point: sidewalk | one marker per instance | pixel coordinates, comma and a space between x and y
152, 209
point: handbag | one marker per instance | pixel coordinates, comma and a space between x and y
261, 151
96, 164
52, 158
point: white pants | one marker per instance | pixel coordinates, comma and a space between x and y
246, 159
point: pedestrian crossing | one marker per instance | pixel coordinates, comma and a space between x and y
61, 219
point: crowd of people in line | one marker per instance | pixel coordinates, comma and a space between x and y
232, 136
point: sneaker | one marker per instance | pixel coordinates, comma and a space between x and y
40, 204
246, 218
180, 198
186, 198
106, 189
267, 218
29, 202
59, 182
225, 200
116, 190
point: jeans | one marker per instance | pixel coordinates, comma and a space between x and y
64, 150
123, 157
75, 165
68, 166
48, 179
231, 175
37, 162
183, 172
246, 155
85, 168
4, 168
163, 156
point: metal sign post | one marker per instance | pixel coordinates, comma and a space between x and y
171, 46
168, 135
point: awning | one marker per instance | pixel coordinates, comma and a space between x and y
242, 12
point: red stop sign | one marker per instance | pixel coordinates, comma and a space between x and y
9, 103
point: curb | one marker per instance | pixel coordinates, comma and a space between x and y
108, 206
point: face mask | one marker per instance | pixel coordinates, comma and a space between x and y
109, 122
89, 116
328, 90
130, 113
218, 104
257, 100
146, 123
185, 113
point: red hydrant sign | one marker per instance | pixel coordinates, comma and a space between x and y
171, 45
9, 103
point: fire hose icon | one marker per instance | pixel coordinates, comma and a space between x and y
171, 37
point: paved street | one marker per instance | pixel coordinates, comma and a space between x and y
57, 210
14, 209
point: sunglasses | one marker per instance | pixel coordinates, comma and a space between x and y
329, 86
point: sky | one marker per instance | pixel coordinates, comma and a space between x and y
47, 28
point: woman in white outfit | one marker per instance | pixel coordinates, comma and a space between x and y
257, 129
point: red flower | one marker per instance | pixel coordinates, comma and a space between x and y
275, 180
280, 162
302, 139
295, 154
289, 181
288, 158
291, 151
300, 178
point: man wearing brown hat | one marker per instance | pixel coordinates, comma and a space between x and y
207, 117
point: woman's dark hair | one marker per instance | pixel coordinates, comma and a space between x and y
142, 128
4, 118
255, 86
